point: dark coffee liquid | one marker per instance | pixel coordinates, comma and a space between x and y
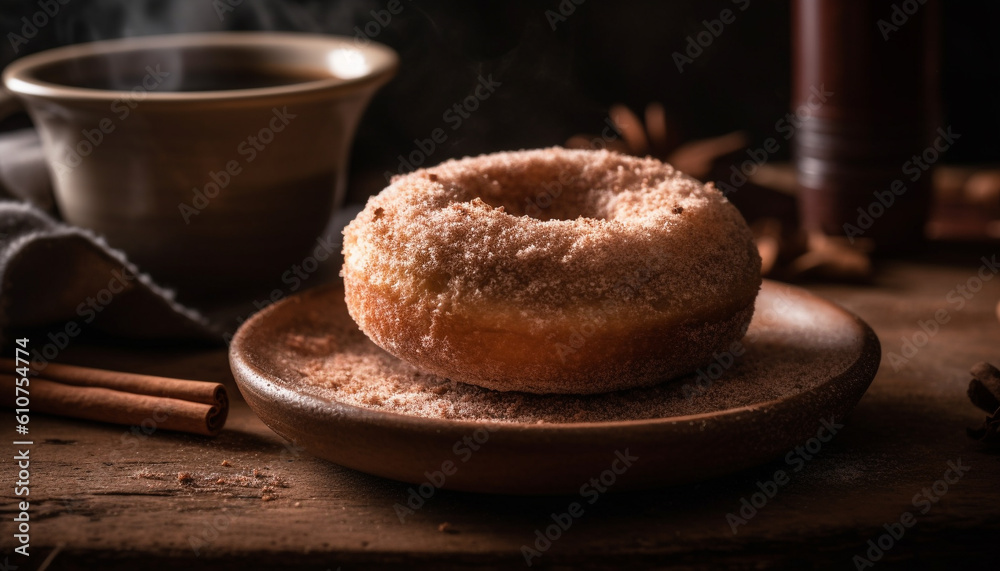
195, 80
192, 69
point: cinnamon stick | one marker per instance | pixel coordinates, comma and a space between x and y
124, 398
767, 235
630, 127
984, 388
984, 392
657, 129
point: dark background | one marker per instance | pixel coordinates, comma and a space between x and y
555, 83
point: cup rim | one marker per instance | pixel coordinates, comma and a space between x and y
383, 62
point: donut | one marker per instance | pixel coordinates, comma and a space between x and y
551, 271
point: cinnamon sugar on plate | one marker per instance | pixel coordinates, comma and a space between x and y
792, 346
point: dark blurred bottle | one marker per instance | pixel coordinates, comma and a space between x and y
865, 73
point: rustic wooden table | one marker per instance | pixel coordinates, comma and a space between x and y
109, 497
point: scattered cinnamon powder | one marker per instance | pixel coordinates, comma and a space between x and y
790, 346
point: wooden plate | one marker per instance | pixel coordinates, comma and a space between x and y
804, 364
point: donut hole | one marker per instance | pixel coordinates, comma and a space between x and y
544, 188
542, 196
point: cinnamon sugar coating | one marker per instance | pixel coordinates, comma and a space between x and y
551, 271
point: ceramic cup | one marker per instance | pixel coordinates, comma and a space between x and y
213, 160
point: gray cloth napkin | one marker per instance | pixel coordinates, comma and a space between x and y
68, 280
23, 174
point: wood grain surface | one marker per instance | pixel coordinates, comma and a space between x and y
110, 497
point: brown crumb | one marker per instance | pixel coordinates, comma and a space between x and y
241, 481
268, 494
297, 504
445, 527
225, 463
678, 210
185, 477
260, 480
257, 473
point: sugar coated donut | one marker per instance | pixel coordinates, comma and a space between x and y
551, 271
